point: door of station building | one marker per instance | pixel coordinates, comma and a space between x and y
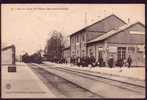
100, 54
121, 53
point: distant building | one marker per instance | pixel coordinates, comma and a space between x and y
8, 55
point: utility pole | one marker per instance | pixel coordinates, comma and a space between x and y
84, 36
85, 22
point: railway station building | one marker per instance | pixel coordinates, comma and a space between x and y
110, 36
79, 39
120, 43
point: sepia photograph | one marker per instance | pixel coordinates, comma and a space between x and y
73, 51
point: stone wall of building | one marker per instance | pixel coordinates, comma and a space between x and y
6, 57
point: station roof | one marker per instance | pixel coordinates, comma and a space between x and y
113, 32
99, 22
7, 47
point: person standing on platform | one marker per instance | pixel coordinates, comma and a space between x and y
100, 60
92, 60
111, 61
129, 61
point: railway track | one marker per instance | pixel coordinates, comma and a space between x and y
122, 79
126, 85
61, 87
123, 85
124, 88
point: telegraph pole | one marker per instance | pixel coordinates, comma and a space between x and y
85, 22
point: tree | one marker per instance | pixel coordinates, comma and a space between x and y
54, 46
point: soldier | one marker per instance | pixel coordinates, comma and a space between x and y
129, 61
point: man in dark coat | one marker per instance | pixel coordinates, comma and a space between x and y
120, 62
92, 60
83, 61
100, 60
73, 59
87, 61
111, 61
129, 61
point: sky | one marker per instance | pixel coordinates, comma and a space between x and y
28, 26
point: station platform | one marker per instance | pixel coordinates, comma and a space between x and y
22, 84
133, 72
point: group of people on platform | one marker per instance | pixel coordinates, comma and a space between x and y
91, 60
82, 61
120, 62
